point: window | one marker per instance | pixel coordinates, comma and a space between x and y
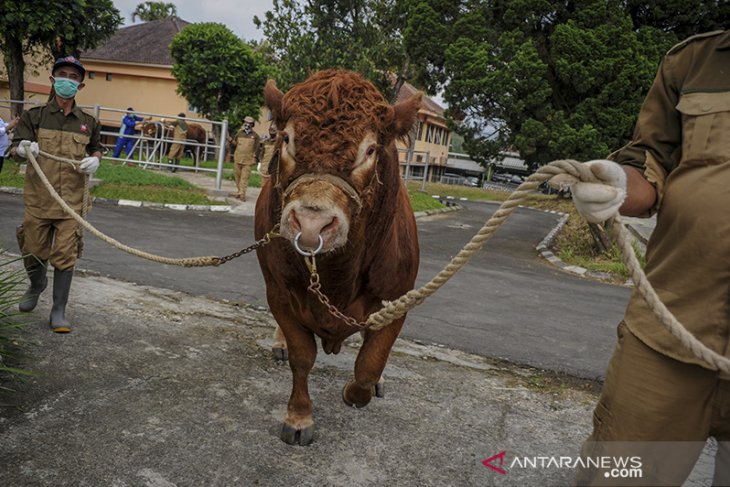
108, 76
91, 74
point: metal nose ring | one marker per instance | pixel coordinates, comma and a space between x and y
308, 253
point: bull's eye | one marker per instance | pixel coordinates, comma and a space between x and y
370, 151
285, 138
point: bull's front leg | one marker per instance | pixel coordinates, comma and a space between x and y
298, 424
370, 363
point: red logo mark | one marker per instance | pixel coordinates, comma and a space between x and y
84, 128
488, 462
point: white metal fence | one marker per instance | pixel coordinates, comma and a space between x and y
150, 148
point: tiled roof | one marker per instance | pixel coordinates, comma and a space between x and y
146, 43
408, 90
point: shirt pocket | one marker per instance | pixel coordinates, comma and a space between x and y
78, 145
705, 125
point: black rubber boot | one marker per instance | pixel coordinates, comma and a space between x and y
38, 282
61, 289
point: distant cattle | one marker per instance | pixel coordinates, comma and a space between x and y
159, 131
335, 181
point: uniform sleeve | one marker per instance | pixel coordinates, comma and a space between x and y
95, 140
2, 126
25, 130
658, 130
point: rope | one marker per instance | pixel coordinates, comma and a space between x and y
563, 173
184, 262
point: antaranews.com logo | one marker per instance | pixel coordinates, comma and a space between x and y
610, 467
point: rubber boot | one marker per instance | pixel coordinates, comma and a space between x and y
38, 282
61, 289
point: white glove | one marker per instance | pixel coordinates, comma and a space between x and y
24, 146
89, 165
598, 202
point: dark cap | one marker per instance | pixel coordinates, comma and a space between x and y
69, 61
130, 109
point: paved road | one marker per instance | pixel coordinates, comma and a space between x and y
507, 303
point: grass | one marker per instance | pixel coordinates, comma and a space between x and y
11, 283
9, 175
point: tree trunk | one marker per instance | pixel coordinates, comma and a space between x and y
15, 65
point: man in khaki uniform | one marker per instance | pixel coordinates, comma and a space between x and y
179, 134
266, 151
677, 165
47, 234
247, 146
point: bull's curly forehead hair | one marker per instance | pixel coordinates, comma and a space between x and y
332, 111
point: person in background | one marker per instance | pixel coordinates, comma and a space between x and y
660, 402
266, 151
129, 122
5, 129
247, 146
48, 233
179, 134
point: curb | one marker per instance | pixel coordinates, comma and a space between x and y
140, 204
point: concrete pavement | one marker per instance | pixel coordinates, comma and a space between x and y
161, 388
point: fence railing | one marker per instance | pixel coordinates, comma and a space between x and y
150, 148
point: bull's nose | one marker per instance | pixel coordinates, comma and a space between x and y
311, 224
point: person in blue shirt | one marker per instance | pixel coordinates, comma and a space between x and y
5, 128
128, 123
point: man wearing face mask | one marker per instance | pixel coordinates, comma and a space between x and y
247, 146
48, 234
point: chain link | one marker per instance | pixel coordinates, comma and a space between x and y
316, 288
266, 239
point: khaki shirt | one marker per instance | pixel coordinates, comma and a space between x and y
682, 143
266, 151
247, 147
73, 137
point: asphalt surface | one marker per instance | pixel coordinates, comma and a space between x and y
160, 386
507, 303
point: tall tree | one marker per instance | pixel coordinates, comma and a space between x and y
554, 79
149, 11
362, 35
218, 73
62, 27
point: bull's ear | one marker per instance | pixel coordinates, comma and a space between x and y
405, 114
272, 97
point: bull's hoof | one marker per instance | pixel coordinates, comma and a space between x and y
297, 436
356, 396
280, 353
379, 389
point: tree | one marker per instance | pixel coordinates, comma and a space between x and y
218, 73
63, 27
149, 11
554, 79
366, 36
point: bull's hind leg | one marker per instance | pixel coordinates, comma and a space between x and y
298, 424
278, 349
369, 365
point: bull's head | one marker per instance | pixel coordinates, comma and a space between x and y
337, 144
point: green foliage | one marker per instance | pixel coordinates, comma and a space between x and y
217, 72
422, 201
557, 80
366, 36
149, 11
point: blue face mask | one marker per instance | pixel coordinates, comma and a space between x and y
65, 88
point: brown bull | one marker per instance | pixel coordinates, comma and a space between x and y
336, 182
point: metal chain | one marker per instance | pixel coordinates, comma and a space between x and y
265, 240
316, 288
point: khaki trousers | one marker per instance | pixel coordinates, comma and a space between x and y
242, 173
54, 240
667, 409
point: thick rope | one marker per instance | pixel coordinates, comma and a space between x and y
566, 172
185, 262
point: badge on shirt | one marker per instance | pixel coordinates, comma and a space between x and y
84, 128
